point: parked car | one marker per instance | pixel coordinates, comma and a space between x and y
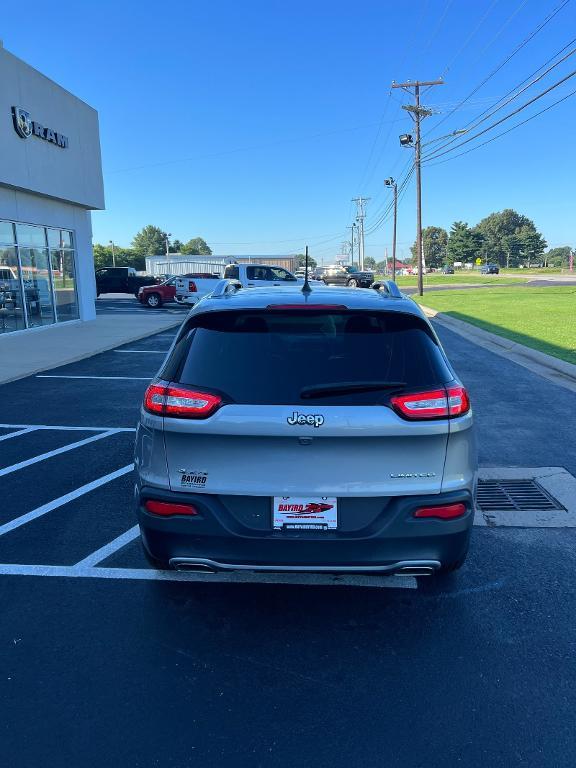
154, 296
121, 280
447, 270
490, 269
248, 275
335, 274
320, 432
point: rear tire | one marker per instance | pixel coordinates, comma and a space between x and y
352, 283
154, 300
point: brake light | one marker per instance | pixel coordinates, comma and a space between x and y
434, 404
167, 508
306, 306
192, 286
170, 400
445, 512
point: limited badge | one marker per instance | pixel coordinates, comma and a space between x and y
193, 478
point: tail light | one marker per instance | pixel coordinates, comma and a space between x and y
192, 286
445, 512
434, 404
170, 400
167, 508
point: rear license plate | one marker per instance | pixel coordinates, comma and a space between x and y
305, 513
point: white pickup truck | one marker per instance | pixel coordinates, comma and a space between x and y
191, 289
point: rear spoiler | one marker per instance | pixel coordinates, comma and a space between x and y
388, 287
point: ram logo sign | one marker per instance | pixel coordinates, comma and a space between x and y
26, 127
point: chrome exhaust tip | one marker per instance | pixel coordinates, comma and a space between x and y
416, 570
191, 567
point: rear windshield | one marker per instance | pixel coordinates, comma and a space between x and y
270, 357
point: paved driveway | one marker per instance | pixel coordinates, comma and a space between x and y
102, 664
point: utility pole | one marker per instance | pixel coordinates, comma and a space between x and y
392, 183
113, 254
417, 113
360, 215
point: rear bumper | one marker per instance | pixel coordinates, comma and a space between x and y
393, 542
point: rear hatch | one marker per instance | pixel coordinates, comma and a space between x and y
306, 404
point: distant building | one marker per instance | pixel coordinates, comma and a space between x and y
181, 263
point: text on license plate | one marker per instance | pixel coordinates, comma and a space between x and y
305, 513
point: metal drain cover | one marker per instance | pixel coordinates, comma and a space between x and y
516, 495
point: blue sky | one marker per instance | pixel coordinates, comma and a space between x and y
254, 124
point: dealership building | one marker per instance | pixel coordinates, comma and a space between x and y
50, 180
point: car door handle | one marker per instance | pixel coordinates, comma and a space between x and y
275, 283
250, 285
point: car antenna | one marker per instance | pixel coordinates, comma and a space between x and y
306, 287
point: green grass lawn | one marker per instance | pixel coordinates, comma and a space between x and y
542, 318
437, 278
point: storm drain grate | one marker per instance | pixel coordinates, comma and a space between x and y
516, 495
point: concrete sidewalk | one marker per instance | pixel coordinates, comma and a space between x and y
23, 354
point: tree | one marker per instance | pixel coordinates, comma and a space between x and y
369, 262
464, 244
150, 241
558, 257
124, 257
434, 241
196, 247
300, 262
498, 228
176, 246
533, 245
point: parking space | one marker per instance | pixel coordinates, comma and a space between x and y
154, 668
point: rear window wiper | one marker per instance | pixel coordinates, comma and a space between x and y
344, 387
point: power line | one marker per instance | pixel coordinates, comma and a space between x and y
433, 156
474, 123
470, 36
518, 48
503, 133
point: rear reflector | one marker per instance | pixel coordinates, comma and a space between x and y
434, 404
446, 512
170, 400
166, 508
306, 306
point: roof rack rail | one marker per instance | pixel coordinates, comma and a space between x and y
388, 287
225, 286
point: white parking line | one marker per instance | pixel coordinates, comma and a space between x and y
126, 378
18, 433
145, 574
56, 452
109, 549
64, 428
59, 502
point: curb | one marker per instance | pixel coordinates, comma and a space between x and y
547, 366
98, 351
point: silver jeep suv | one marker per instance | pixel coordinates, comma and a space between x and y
294, 431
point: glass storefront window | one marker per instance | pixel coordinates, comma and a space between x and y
7, 233
37, 276
11, 308
31, 236
59, 238
37, 285
64, 280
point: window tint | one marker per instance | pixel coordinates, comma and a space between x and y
268, 357
259, 273
232, 272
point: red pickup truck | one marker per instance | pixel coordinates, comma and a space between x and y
154, 296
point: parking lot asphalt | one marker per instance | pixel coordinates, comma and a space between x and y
102, 663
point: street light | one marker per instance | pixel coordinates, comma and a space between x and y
168, 234
406, 140
392, 183
113, 254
